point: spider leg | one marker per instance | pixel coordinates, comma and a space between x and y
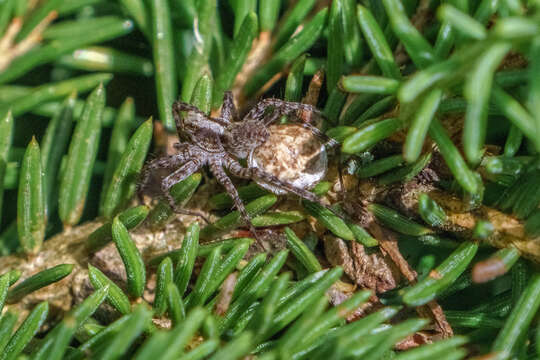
285, 107
327, 140
177, 117
257, 174
178, 146
180, 174
228, 110
179, 106
225, 181
164, 162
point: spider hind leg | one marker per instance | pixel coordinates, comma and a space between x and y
259, 175
303, 193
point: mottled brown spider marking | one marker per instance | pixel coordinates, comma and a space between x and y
221, 142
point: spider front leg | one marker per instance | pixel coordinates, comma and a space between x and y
228, 110
225, 181
180, 174
179, 106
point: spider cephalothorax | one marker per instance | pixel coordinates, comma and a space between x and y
242, 138
221, 142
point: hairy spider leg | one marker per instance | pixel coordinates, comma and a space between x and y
178, 175
217, 169
327, 140
286, 108
164, 162
257, 174
272, 118
228, 110
179, 106
257, 112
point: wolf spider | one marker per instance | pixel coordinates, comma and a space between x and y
220, 142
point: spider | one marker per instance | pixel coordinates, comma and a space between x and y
220, 142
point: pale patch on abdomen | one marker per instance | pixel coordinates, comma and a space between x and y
293, 154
